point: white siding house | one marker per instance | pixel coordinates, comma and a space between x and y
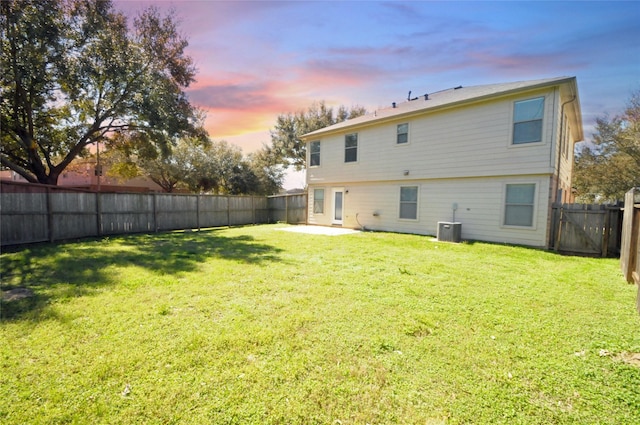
493, 157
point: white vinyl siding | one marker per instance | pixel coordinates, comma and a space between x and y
470, 141
565, 137
527, 121
519, 205
314, 154
375, 206
566, 165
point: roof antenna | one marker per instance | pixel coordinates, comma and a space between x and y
409, 96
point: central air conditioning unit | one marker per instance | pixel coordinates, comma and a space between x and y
449, 231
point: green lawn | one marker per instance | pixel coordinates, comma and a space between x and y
255, 325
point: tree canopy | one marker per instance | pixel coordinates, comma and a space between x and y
608, 167
73, 73
196, 164
287, 148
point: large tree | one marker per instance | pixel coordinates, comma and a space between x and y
199, 165
287, 148
609, 166
220, 168
270, 177
73, 72
165, 171
212, 166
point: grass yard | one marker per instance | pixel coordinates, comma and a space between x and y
255, 325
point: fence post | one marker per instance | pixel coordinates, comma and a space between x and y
559, 231
155, 212
228, 211
553, 226
198, 211
49, 215
606, 231
286, 209
626, 257
99, 212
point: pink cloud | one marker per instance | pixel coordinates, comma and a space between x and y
368, 51
238, 109
532, 62
244, 103
222, 124
197, 17
232, 97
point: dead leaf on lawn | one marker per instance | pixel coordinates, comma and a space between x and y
629, 358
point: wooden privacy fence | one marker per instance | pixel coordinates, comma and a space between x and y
584, 229
37, 213
289, 208
630, 249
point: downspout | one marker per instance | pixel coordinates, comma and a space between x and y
557, 170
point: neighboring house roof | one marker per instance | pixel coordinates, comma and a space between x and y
453, 97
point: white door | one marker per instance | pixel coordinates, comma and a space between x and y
338, 205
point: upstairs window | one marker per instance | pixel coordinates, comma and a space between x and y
402, 136
527, 121
314, 154
519, 205
351, 147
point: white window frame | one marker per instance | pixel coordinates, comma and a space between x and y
417, 202
315, 199
311, 165
356, 148
407, 133
534, 206
513, 122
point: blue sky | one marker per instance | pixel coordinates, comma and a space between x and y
259, 59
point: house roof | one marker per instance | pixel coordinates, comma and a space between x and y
449, 98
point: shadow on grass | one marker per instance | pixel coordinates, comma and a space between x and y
66, 270
552, 251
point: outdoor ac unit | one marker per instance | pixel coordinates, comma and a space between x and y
449, 232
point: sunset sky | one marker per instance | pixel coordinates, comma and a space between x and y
259, 59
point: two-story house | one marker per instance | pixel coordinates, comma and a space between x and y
492, 157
